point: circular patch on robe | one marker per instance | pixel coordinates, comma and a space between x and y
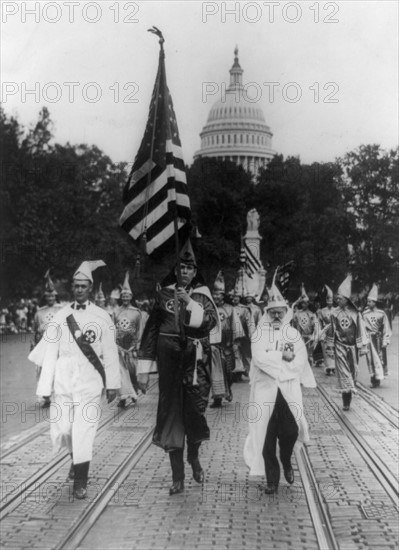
222, 316
170, 305
49, 316
344, 322
373, 322
124, 323
90, 336
304, 321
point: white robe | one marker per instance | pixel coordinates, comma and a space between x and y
269, 372
74, 383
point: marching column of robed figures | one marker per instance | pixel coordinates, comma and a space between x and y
199, 342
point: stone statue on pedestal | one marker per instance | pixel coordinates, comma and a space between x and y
255, 283
253, 223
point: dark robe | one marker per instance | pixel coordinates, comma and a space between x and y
184, 381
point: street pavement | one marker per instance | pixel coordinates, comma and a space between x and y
19, 406
229, 511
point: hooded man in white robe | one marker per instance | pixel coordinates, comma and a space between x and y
279, 366
79, 358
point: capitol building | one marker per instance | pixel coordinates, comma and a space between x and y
236, 129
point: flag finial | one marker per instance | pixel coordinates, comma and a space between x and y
156, 31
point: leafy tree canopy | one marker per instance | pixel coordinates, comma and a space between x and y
61, 204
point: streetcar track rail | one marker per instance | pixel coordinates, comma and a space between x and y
90, 515
11, 501
25, 439
317, 508
384, 408
374, 462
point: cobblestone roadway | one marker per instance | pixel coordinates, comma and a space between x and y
228, 512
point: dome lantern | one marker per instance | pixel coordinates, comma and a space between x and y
235, 73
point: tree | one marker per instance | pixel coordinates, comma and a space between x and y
369, 187
303, 219
61, 205
221, 193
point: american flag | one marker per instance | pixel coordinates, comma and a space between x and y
156, 192
248, 260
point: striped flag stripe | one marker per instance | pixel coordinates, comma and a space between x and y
162, 222
157, 207
140, 182
139, 174
160, 238
157, 190
171, 147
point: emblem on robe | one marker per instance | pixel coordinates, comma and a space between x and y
373, 322
304, 321
124, 323
344, 323
170, 305
90, 336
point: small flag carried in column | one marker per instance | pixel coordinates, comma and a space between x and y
156, 192
284, 274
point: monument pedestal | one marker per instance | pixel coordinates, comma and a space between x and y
255, 283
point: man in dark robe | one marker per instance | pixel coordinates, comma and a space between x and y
179, 344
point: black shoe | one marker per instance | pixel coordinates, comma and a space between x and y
122, 403
81, 473
176, 488
217, 403
289, 475
80, 493
198, 472
229, 398
129, 402
79, 489
346, 400
71, 473
271, 489
46, 402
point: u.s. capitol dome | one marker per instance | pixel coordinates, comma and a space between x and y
236, 128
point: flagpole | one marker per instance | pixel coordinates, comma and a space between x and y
158, 33
179, 319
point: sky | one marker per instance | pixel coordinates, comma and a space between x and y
334, 66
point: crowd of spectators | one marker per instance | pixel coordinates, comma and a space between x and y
17, 316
